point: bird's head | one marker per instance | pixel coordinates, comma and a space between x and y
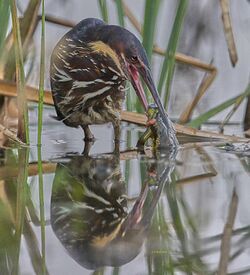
133, 60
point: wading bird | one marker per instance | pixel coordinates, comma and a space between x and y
89, 69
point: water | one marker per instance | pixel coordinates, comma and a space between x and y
133, 214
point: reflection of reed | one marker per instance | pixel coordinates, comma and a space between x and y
227, 234
14, 194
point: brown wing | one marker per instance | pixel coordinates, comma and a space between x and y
79, 73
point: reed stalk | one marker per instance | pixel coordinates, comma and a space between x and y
42, 211
41, 81
104, 10
23, 161
167, 70
23, 121
150, 19
197, 122
4, 15
120, 12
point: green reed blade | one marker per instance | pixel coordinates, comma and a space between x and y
104, 10
23, 122
120, 12
5, 16
150, 17
212, 112
23, 161
41, 81
167, 70
39, 138
42, 211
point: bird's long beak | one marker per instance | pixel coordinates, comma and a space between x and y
135, 80
146, 75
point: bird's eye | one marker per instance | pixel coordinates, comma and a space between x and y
134, 58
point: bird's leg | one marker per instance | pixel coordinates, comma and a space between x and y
117, 133
87, 147
88, 136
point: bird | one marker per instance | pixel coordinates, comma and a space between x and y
89, 69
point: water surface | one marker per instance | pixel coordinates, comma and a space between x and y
176, 213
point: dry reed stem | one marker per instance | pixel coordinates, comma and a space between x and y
231, 112
226, 237
205, 84
9, 89
12, 172
28, 24
141, 119
196, 178
49, 168
247, 133
8, 133
227, 25
5, 200
58, 21
247, 115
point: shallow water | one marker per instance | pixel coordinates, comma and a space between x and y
184, 213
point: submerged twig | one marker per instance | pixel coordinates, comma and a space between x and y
12, 172
227, 24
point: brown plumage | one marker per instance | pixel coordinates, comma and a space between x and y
89, 69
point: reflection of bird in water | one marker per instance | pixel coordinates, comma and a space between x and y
89, 210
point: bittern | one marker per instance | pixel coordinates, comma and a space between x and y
89, 69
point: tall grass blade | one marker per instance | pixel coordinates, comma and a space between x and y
41, 81
23, 160
212, 112
4, 15
104, 10
167, 70
150, 16
39, 139
27, 28
247, 115
42, 211
120, 12
23, 123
